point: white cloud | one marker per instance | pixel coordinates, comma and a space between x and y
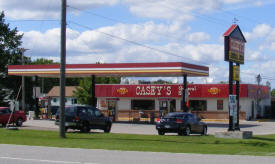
233, 1
198, 37
260, 31
94, 45
45, 9
171, 10
266, 33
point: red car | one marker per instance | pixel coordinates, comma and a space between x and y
18, 117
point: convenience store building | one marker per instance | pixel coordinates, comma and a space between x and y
209, 101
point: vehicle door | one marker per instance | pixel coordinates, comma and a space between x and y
196, 124
83, 114
191, 122
5, 115
97, 119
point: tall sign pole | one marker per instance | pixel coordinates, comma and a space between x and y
234, 44
62, 70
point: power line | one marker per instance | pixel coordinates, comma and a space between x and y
136, 43
255, 75
34, 20
118, 21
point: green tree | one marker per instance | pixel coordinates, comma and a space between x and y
46, 84
160, 81
10, 41
83, 93
43, 61
273, 93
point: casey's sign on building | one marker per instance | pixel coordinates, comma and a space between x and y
166, 90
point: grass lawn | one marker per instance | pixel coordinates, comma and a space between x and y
258, 145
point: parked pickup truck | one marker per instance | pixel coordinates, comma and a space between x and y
18, 117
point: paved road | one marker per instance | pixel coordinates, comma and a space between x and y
13, 154
254, 126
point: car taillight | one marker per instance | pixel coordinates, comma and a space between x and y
158, 119
179, 121
76, 118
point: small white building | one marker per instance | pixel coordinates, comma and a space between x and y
54, 94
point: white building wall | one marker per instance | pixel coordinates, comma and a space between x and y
55, 101
178, 105
211, 104
124, 104
246, 106
156, 104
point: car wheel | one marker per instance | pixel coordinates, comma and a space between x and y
85, 128
107, 128
204, 131
187, 131
19, 122
160, 132
181, 132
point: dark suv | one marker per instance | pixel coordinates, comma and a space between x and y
84, 118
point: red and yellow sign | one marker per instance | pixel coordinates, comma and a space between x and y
214, 90
236, 51
172, 90
122, 91
236, 73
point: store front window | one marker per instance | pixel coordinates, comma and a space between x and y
219, 104
143, 104
197, 105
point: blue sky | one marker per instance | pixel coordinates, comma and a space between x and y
184, 30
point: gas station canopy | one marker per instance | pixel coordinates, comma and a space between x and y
165, 69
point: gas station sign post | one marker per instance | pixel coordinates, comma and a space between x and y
234, 46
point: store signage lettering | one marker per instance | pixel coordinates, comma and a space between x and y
189, 89
153, 90
214, 90
167, 91
122, 91
236, 51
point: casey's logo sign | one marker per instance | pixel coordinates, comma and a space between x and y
122, 91
214, 90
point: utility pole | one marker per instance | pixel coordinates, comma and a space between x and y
22, 50
259, 79
62, 70
231, 124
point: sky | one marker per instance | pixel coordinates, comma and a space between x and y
119, 31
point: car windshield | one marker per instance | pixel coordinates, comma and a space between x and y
174, 115
69, 110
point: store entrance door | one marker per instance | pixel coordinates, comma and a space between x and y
163, 107
172, 106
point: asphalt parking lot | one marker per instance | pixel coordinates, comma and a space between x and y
258, 128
